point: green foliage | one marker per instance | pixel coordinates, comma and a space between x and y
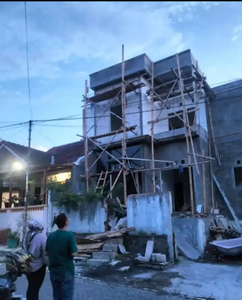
72, 201
13, 235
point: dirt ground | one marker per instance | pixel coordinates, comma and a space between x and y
136, 276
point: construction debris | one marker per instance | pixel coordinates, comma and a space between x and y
220, 229
158, 257
148, 252
109, 234
122, 249
99, 243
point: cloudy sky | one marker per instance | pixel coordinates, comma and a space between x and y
69, 40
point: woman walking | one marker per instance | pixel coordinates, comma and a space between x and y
34, 242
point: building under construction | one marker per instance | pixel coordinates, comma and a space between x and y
147, 124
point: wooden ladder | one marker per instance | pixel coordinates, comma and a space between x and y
101, 181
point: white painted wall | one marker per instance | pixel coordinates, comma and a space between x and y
91, 219
135, 110
9, 218
151, 213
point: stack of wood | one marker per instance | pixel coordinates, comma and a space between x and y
93, 243
223, 233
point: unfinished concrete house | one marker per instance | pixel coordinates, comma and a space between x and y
148, 124
225, 109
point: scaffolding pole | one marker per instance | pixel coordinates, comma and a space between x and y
124, 144
124, 161
152, 131
185, 117
85, 137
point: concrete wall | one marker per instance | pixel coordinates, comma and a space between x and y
177, 152
137, 64
193, 231
89, 219
226, 116
151, 214
11, 218
137, 244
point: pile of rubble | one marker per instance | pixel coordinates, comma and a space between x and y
221, 229
102, 247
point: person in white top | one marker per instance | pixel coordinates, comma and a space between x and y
34, 242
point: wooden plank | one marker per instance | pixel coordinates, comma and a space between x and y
93, 246
110, 94
204, 186
85, 138
114, 132
124, 144
110, 234
84, 241
186, 122
230, 207
152, 131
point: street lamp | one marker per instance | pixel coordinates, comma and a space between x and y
17, 166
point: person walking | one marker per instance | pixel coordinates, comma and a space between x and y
61, 248
34, 242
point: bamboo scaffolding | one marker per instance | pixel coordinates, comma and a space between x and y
85, 137
187, 140
195, 84
152, 131
124, 144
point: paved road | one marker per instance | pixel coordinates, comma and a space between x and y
94, 290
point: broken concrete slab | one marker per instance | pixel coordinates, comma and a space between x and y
187, 249
104, 255
96, 262
115, 262
122, 223
110, 248
191, 236
149, 249
148, 252
122, 249
158, 257
122, 269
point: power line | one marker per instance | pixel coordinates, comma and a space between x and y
14, 125
23, 128
27, 56
72, 118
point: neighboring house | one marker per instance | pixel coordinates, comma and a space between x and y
169, 137
226, 108
13, 162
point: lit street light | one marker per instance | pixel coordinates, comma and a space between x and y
17, 166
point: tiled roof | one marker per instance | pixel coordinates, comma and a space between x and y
37, 157
68, 153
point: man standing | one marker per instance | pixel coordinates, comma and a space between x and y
61, 248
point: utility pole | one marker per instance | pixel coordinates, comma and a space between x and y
26, 196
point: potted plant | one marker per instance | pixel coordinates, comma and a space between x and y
12, 239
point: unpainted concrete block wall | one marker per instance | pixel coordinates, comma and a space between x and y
194, 231
226, 116
151, 214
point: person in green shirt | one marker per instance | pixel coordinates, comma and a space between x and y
61, 248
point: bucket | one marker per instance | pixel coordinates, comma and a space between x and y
12, 243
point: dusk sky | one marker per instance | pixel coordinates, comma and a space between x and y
70, 40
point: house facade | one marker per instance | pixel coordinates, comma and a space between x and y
227, 126
104, 119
